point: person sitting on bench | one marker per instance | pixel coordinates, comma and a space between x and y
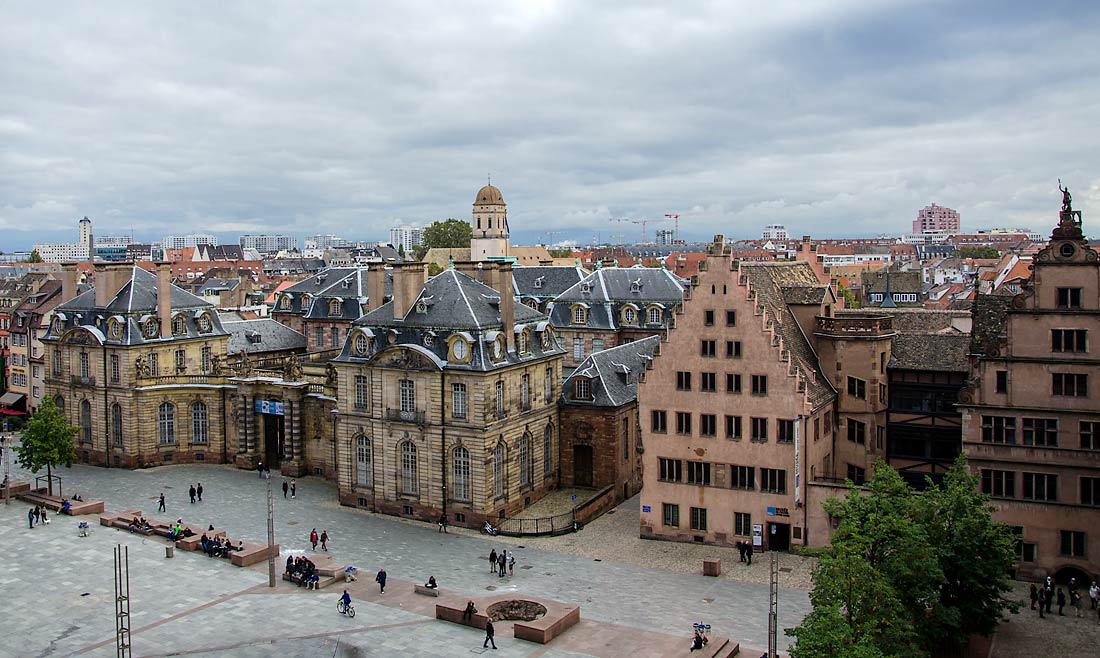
66, 506
431, 584
469, 612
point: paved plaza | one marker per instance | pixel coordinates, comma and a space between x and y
58, 587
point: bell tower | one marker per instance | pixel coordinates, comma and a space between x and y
489, 225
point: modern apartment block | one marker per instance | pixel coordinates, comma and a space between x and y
1030, 412
269, 244
935, 218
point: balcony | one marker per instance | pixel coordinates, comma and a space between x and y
176, 380
78, 380
402, 416
864, 325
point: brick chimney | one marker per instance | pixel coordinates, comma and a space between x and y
376, 285
471, 268
164, 298
69, 276
500, 279
408, 281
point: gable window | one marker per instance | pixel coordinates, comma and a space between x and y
166, 423
198, 423
409, 479
1069, 298
364, 461
460, 466
458, 400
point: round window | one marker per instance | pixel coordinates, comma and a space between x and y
1066, 249
629, 316
459, 350
361, 344
114, 329
150, 329
428, 340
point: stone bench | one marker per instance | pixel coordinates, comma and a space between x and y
326, 566
17, 487
252, 554
76, 507
548, 627
427, 591
194, 542
453, 613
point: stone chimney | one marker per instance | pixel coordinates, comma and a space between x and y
104, 284
376, 285
69, 277
164, 298
408, 281
500, 279
471, 268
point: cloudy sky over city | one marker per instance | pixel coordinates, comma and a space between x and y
833, 117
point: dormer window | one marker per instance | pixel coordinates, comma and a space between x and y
334, 307
586, 287
361, 344
582, 389
655, 315
151, 328
179, 326
429, 339
114, 329
580, 315
204, 323
630, 316
284, 302
523, 340
547, 339
636, 285
306, 301
421, 307
538, 281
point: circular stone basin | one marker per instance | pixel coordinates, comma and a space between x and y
515, 610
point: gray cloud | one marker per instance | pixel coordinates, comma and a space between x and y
831, 117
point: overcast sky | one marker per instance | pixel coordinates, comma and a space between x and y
833, 117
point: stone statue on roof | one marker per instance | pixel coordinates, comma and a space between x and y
1067, 199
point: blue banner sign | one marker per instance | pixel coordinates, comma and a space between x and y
273, 407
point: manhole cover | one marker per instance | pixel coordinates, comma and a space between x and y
491, 588
784, 569
526, 566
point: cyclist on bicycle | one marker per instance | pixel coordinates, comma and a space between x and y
345, 599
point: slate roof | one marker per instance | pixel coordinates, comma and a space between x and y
805, 294
453, 302
261, 336
932, 352
215, 285
608, 289
988, 312
614, 373
768, 280
904, 282
348, 284
545, 281
131, 304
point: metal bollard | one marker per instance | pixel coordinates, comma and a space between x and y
169, 551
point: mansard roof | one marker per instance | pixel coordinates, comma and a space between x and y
138, 294
614, 372
545, 280
607, 290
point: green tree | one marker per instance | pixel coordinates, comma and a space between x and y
47, 441
560, 253
401, 251
434, 269
452, 233
850, 300
35, 257
977, 252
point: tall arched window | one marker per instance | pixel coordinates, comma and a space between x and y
408, 468
364, 462
525, 470
547, 448
654, 315
498, 471
460, 482
166, 423
59, 402
85, 421
116, 424
198, 423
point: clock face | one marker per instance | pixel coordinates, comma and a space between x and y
498, 350
459, 349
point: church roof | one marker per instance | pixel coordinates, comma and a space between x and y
489, 195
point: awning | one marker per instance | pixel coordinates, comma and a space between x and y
10, 398
12, 412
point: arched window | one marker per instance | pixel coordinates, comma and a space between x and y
526, 472
59, 402
334, 307
198, 423
179, 326
547, 450
524, 339
364, 462
85, 421
654, 315
166, 423
580, 316
116, 424
408, 468
460, 481
498, 471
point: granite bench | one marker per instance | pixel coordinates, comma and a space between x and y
424, 590
76, 507
252, 554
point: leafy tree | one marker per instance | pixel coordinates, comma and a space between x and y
35, 257
850, 300
47, 441
452, 233
977, 252
433, 269
560, 253
908, 573
401, 250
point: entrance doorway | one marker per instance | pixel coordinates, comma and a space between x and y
582, 466
779, 536
274, 439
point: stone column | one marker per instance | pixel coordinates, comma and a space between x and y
246, 424
295, 430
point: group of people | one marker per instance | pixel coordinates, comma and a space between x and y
289, 487
323, 538
36, 515
503, 564
219, 546
1046, 596
179, 531
195, 492
303, 571
745, 549
140, 524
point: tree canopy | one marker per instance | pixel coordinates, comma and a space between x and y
977, 252
47, 441
452, 233
908, 572
34, 257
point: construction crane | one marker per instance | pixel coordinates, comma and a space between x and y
676, 218
643, 222
550, 237
619, 232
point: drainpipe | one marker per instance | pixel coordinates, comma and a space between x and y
106, 412
443, 432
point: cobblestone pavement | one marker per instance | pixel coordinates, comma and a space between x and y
614, 591
1026, 635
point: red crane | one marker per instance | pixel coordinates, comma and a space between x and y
676, 218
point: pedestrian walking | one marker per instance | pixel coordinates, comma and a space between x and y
489, 632
1034, 595
1061, 602
511, 563
37, 515
748, 553
160, 504
492, 560
30, 517
502, 563
1075, 600
267, 472
1094, 594
741, 550
260, 469
191, 492
45, 519
293, 487
324, 540
199, 490
1050, 595
313, 538
443, 522
381, 580
286, 488
1042, 601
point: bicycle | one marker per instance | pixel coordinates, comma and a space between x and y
345, 609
